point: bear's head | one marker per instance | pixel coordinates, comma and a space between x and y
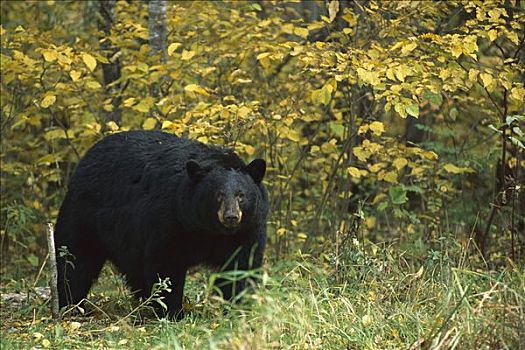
226, 199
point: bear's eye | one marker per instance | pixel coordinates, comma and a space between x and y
240, 196
220, 196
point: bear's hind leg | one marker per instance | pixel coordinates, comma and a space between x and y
75, 277
80, 259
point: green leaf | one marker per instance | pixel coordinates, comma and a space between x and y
382, 206
398, 195
433, 98
337, 128
413, 110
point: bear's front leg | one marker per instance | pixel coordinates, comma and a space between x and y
247, 257
172, 298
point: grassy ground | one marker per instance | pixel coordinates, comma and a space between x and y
378, 299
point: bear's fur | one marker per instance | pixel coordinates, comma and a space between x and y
155, 205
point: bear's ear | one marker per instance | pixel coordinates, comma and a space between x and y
195, 171
256, 169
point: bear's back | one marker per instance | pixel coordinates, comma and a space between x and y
144, 161
151, 147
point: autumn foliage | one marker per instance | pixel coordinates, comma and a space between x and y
385, 120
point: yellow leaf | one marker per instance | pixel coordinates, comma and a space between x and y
129, 102
473, 74
297, 50
144, 105
376, 167
390, 73
377, 128
292, 135
288, 28
48, 101
401, 109
243, 112
93, 85
112, 126
518, 93
333, 9
397, 45
372, 146
187, 55
368, 77
451, 168
149, 123
326, 93
361, 153
378, 198
408, 47
470, 46
263, 55
91, 128
430, 155
417, 171
350, 18
46, 343
173, 47
367, 320
456, 50
166, 124
196, 88
513, 36
493, 34
47, 159
50, 55
302, 32
354, 172
90, 61
370, 222
315, 95
400, 163
75, 75
38, 335
250, 150
302, 236
363, 129
75, 325
444, 74
487, 79
390, 177
401, 72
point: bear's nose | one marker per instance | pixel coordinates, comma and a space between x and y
231, 220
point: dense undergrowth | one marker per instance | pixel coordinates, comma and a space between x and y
374, 297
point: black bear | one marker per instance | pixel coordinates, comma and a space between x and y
155, 204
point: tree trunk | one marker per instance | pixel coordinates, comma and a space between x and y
111, 70
157, 28
157, 36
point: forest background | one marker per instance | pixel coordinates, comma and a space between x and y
394, 134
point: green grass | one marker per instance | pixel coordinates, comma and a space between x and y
371, 301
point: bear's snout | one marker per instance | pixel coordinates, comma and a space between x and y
230, 213
231, 220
